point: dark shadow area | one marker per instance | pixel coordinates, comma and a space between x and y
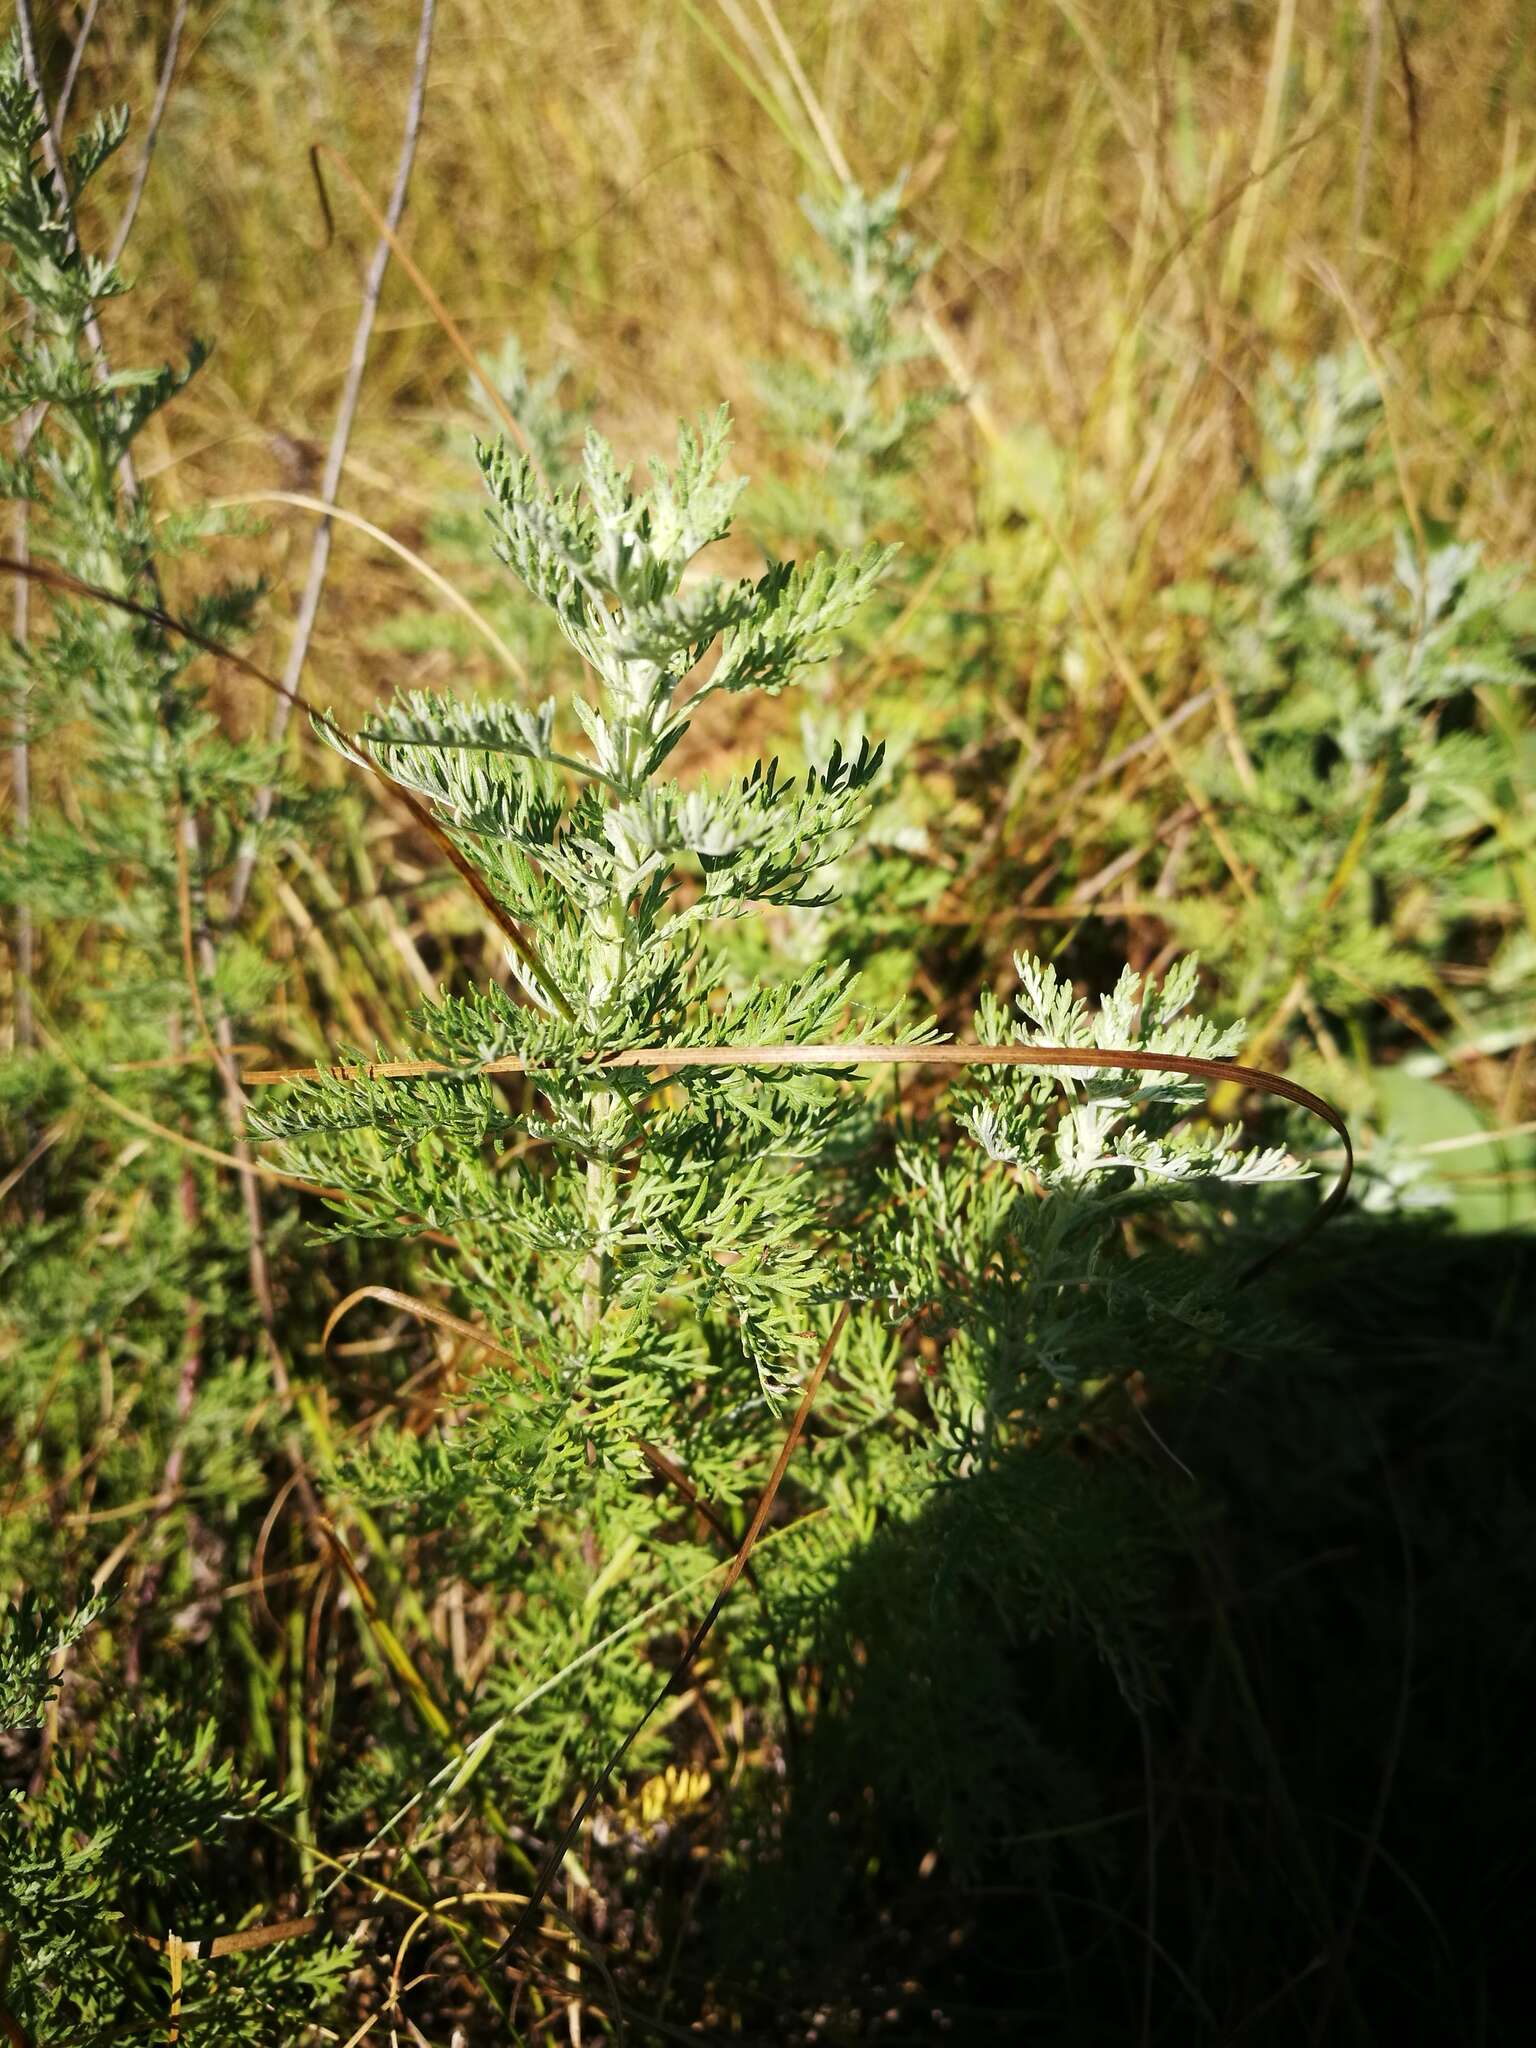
1267, 1779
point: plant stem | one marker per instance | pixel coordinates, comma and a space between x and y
22, 939
151, 133
1367, 128
67, 90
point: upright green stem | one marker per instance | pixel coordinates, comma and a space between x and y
298, 1733
602, 1182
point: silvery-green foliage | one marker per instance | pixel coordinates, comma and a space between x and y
554, 428
857, 416
1110, 1120
154, 752
553, 422
706, 1197
1010, 1251
112, 700
1318, 426
854, 419
664, 1256
1377, 760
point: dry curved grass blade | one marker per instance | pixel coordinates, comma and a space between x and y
428, 1312
672, 1059
59, 579
322, 509
180, 1139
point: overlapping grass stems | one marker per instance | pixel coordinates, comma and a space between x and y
656, 1236
130, 1283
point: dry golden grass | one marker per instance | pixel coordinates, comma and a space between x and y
1135, 206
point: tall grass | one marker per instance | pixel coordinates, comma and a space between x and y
619, 185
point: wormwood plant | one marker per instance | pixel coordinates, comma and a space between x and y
853, 420
1381, 788
123, 1832
656, 1258
554, 423
139, 799
861, 429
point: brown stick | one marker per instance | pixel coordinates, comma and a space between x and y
418, 277
151, 133
341, 433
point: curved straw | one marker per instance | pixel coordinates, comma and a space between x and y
674, 1058
326, 509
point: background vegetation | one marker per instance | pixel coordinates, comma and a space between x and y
1203, 418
